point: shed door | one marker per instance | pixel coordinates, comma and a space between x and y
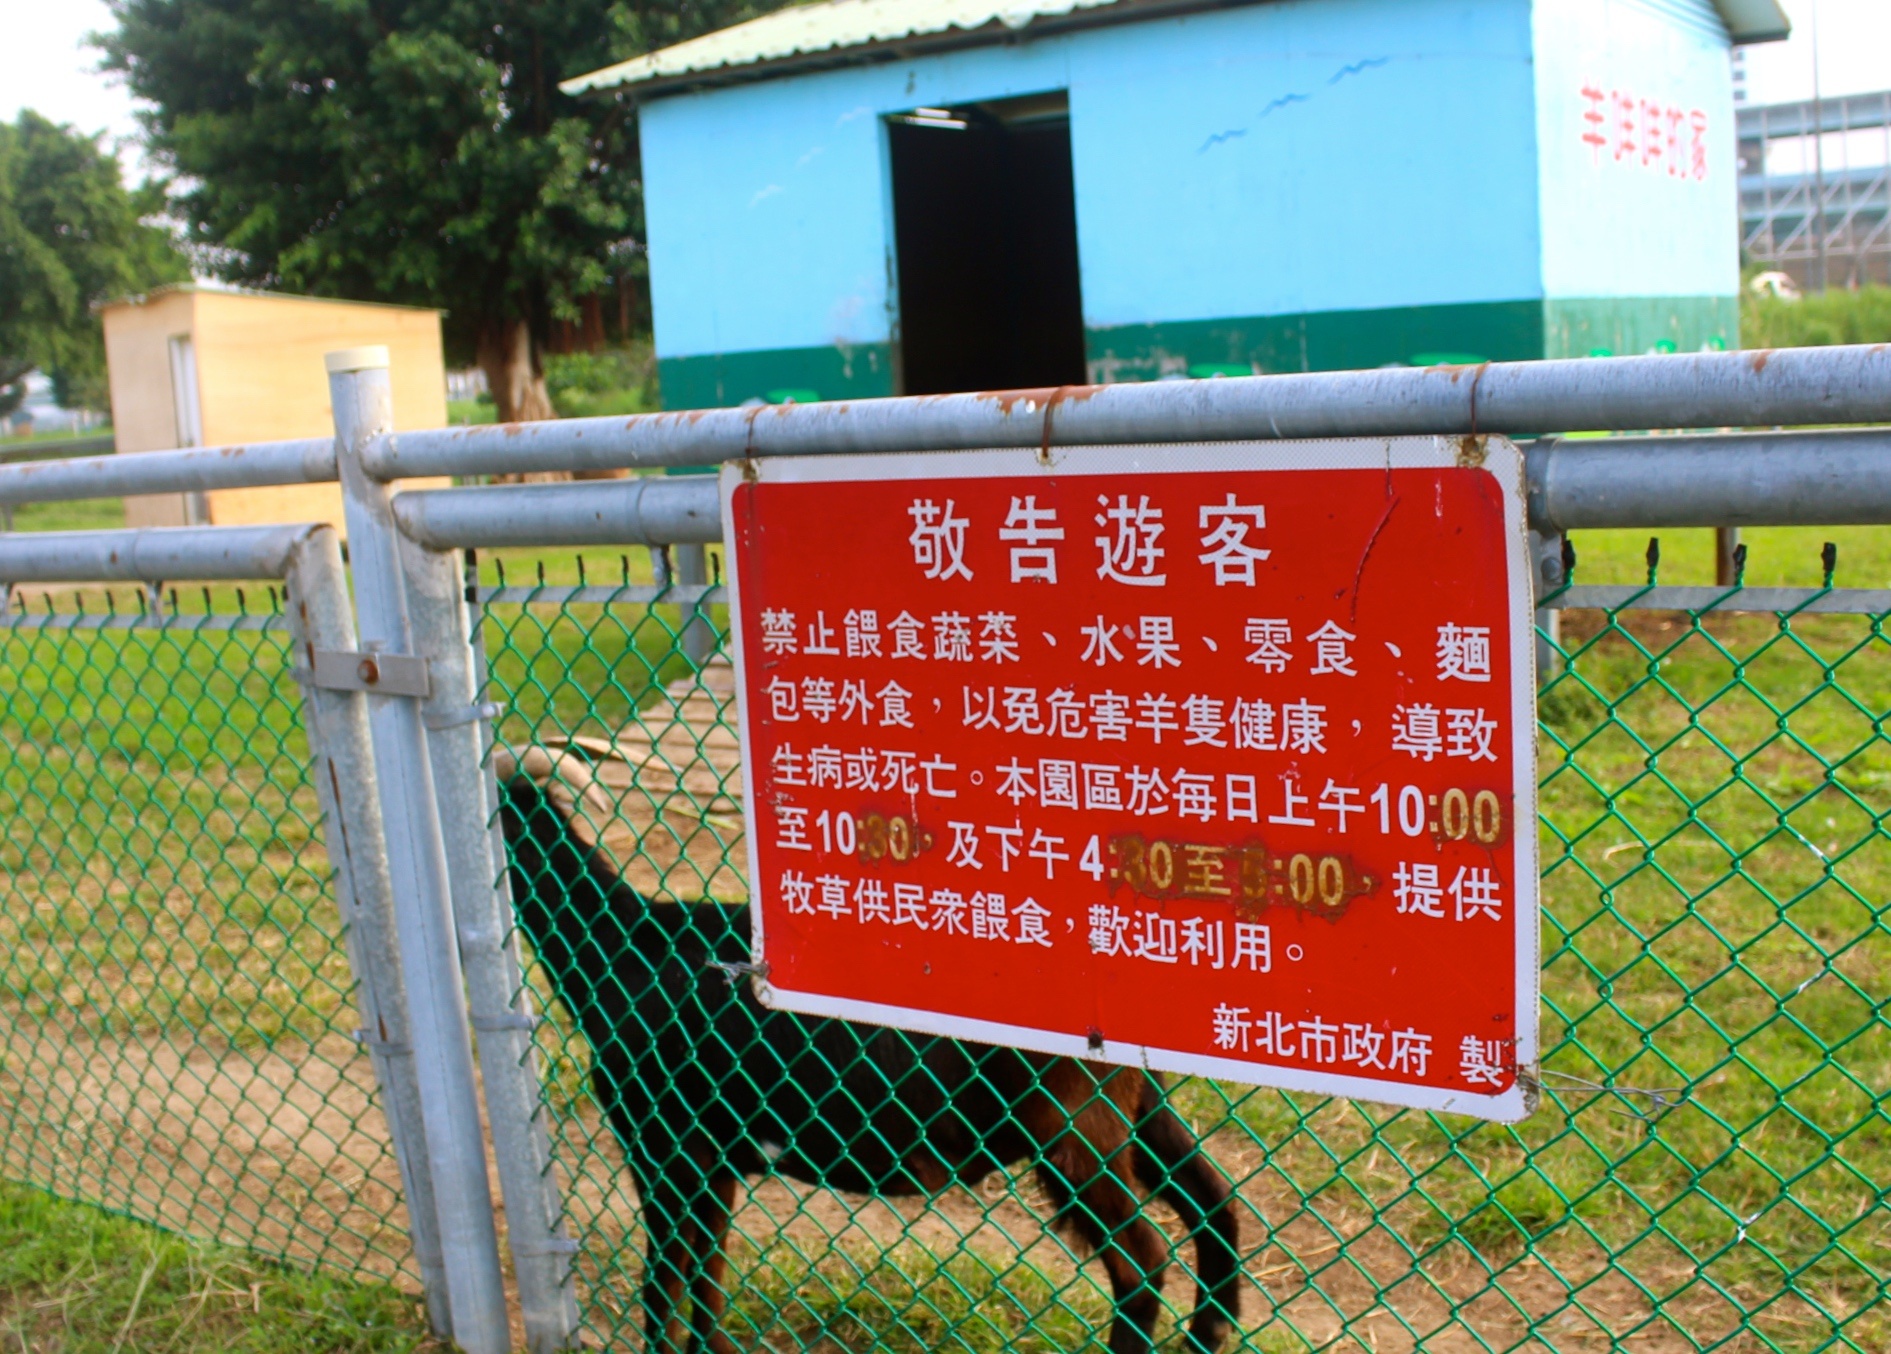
985, 226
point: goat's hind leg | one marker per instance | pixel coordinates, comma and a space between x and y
1107, 1216
1173, 1165
709, 1286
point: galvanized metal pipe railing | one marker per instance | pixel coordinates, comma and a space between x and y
1783, 388
347, 785
499, 1007
150, 554
305, 460
1775, 479
1837, 478
418, 864
611, 512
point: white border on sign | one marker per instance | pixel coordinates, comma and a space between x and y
1500, 458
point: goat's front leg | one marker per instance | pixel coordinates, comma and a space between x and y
667, 1262
709, 1290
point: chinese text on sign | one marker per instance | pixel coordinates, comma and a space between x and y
1217, 760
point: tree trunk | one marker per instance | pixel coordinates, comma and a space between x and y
516, 376
514, 373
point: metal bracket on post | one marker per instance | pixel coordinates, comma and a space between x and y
360, 394
341, 755
373, 674
481, 713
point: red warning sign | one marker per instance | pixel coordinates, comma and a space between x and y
1218, 760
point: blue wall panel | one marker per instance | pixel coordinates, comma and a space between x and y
1321, 155
1289, 157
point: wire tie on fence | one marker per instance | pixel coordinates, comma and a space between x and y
511, 1020
1658, 1096
465, 714
552, 1245
732, 969
1807, 983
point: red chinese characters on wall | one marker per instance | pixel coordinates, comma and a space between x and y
1624, 127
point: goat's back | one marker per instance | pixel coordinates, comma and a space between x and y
686, 1059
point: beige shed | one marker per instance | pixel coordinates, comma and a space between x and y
198, 365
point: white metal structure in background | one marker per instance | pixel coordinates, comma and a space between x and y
1825, 219
401, 738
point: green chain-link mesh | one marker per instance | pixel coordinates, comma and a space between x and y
175, 999
1707, 1169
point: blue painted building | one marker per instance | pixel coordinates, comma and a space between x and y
871, 197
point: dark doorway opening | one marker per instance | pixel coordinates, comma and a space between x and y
985, 228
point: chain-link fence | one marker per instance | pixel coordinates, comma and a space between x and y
179, 1013
181, 991
1706, 1170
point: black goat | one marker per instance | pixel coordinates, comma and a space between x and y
703, 1085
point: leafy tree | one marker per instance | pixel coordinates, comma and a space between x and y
71, 235
407, 150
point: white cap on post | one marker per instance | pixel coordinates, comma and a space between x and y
369, 358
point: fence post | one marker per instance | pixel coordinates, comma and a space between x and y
1546, 576
443, 1054
692, 570
341, 758
1726, 542
456, 719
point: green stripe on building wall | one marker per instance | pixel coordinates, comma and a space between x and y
1331, 340
776, 375
1498, 331
1619, 326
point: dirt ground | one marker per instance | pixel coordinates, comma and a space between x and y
279, 1150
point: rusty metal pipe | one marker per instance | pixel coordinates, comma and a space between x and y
195, 470
1827, 478
1785, 388
150, 554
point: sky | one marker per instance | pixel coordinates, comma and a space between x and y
45, 64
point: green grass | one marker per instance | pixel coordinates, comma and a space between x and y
907, 1300
89, 514
17, 441
75, 1280
461, 413
1776, 556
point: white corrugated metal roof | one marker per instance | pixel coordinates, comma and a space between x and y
837, 25
803, 31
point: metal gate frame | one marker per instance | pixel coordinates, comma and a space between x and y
401, 739
307, 560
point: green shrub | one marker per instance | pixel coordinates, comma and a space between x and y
609, 381
1841, 316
